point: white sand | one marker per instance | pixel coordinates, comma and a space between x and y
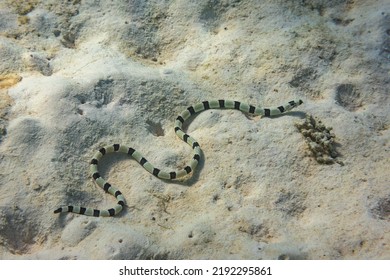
80, 75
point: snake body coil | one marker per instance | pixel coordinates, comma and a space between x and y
192, 110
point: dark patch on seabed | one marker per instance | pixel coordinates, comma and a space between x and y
381, 209
348, 97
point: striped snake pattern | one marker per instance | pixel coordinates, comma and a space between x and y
186, 114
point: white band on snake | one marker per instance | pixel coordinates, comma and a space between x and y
192, 110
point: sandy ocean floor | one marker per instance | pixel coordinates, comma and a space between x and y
78, 75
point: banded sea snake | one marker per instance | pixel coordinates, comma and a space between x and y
186, 114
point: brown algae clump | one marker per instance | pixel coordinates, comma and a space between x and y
320, 140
